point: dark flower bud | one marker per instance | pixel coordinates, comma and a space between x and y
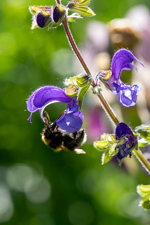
126, 140
42, 20
58, 13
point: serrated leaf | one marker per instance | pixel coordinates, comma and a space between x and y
101, 145
82, 91
84, 10
106, 157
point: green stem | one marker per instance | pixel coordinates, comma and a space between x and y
142, 160
103, 101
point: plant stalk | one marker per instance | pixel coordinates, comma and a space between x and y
100, 96
73, 45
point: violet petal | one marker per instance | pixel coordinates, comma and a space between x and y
127, 96
122, 60
49, 94
124, 133
69, 123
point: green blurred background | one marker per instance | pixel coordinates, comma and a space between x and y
38, 186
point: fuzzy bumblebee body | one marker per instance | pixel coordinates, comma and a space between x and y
59, 140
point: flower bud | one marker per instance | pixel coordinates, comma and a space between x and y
58, 13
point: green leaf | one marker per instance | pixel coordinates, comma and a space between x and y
144, 131
82, 91
106, 157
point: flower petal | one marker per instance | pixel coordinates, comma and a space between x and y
122, 129
122, 60
49, 94
127, 95
70, 122
43, 96
30, 106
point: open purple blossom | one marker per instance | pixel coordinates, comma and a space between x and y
70, 121
126, 140
123, 60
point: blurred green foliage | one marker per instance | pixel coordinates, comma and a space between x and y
37, 186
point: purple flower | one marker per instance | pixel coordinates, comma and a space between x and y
70, 121
123, 60
126, 140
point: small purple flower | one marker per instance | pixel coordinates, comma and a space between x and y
70, 121
123, 60
126, 140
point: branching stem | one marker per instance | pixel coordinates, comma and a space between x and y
73, 45
100, 96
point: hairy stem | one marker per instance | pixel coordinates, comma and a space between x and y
100, 96
103, 101
142, 160
74, 46
58, 1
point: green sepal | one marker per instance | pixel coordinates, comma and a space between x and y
142, 143
81, 2
143, 190
101, 145
84, 10
107, 142
144, 131
113, 151
73, 17
106, 157
145, 202
79, 80
82, 91
83, 79
35, 9
71, 91
109, 137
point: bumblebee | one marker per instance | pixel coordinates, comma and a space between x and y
59, 140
